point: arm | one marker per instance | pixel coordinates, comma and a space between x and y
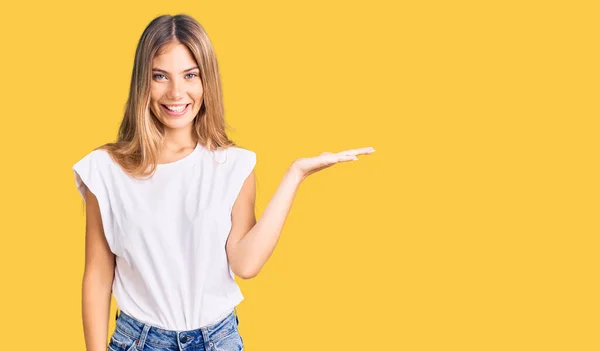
97, 279
251, 243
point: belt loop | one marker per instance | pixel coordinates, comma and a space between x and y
142, 340
206, 337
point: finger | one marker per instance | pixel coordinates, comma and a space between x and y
329, 158
346, 153
360, 151
363, 150
347, 158
332, 159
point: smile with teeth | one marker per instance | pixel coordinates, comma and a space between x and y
176, 108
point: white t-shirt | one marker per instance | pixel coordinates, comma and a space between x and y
169, 233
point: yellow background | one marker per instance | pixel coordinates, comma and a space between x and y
474, 226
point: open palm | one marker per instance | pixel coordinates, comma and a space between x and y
309, 165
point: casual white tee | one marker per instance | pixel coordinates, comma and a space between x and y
168, 233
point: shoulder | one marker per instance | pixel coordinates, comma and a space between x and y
97, 158
102, 156
244, 158
234, 155
241, 153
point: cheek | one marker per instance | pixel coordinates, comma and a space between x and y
154, 106
198, 91
156, 92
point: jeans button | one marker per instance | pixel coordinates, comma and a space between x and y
210, 343
183, 338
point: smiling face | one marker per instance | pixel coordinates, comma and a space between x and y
176, 89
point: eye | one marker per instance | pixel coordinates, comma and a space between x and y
192, 74
157, 75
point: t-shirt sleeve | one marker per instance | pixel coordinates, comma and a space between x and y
242, 169
88, 175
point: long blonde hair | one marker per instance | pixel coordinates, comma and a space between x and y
141, 134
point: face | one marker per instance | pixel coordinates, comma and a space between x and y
176, 88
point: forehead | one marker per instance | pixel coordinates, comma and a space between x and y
174, 57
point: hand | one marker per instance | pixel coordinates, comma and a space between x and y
307, 166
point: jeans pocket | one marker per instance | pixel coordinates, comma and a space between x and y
232, 342
120, 341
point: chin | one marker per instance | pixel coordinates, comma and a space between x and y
174, 124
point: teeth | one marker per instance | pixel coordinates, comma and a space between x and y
176, 108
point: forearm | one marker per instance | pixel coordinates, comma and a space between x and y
95, 311
258, 244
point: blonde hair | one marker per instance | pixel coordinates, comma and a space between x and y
141, 134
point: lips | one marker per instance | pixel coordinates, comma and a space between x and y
175, 113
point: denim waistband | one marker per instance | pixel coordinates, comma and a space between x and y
177, 339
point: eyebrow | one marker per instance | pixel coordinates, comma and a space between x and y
163, 71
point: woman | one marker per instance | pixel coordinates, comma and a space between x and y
170, 206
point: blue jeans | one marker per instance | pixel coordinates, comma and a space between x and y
133, 335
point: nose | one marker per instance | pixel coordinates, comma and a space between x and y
175, 90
